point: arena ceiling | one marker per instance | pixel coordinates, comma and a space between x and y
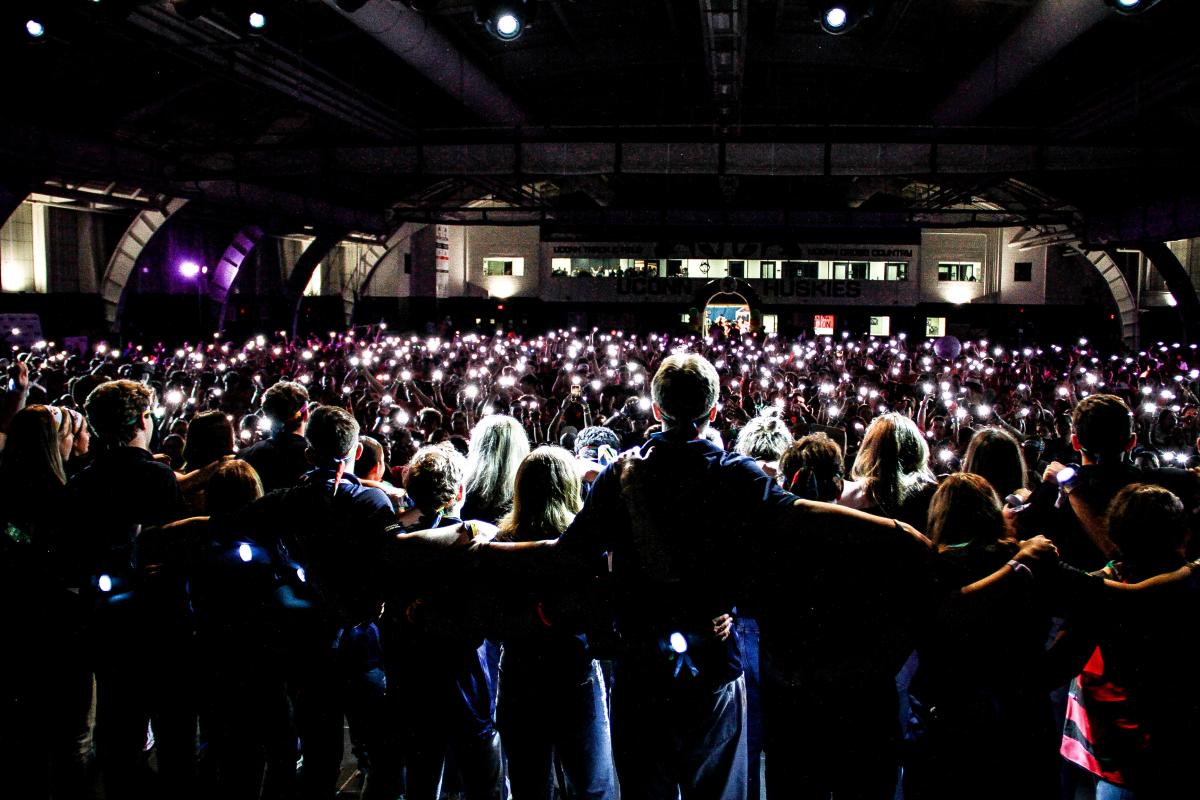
731, 112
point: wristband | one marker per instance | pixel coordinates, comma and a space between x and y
1020, 568
541, 613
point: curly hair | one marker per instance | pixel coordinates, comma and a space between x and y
115, 410
434, 477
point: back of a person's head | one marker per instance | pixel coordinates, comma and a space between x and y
429, 419
435, 476
284, 405
547, 496
685, 389
1103, 424
812, 468
764, 438
232, 487
31, 450
372, 457
209, 437
332, 435
1148, 524
589, 441
965, 509
893, 458
115, 410
996, 455
498, 446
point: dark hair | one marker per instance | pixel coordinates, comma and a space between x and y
812, 467
429, 414
284, 405
115, 410
209, 437
332, 434
965, 510
1103, 425
1147, 523
996, 455
232, 487
372, 455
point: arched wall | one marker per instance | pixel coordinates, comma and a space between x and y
139, 233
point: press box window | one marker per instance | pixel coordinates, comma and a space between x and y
1023, 272
804, 270
957, 272
851, 270
504, 266
895, 271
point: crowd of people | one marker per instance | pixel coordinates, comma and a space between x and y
599, 564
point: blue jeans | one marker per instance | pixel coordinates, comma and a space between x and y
1111, 791
539, 722
747, 633
688, 743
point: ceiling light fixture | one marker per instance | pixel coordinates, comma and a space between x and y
505, 19
1130, 7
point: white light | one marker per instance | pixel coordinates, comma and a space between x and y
836, 17
244, 553
245, 434
946, 455
437, 374
596, 386
508, 26
301, 574
678, 643
258, 21
405, 375
307, 355
644, 404
105, 583
472, 392
984, 411
1149, 408
174, 397
401, 418
1129, 3
386, 399
36, 30
264, 424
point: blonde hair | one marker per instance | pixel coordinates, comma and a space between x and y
434, 476
893, 461
546, 498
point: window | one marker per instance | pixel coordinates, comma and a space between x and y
674, 267
935, 327
851, 270
737, 269
1023, 272
804, 270
881, 326
959, 272
895, 271
560, 266
768, 269
504, 266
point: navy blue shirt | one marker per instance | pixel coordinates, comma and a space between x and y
279, 461
338, 538
679, 523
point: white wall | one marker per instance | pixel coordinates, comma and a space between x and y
957, 246
1031, 293
499, 242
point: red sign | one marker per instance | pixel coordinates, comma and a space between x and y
823, 324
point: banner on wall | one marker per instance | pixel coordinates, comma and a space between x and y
823, 324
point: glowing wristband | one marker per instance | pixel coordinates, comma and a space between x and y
1020, 569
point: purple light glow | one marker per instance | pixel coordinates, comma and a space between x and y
189, 269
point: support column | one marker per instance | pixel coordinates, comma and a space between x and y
1179, 284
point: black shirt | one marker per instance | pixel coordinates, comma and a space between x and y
279, 461
122, 491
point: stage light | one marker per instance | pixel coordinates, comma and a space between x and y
189, 269
1128, 7
842, 17
257, 20
35, 29
505, 19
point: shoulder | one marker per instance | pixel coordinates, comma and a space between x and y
854, 495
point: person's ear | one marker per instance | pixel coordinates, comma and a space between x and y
462, 491
712, 413
358, 451
1132, 443
1075, 443
657, 412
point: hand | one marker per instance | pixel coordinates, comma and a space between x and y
1052, 471
1036, 550
19, 372
723, 627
